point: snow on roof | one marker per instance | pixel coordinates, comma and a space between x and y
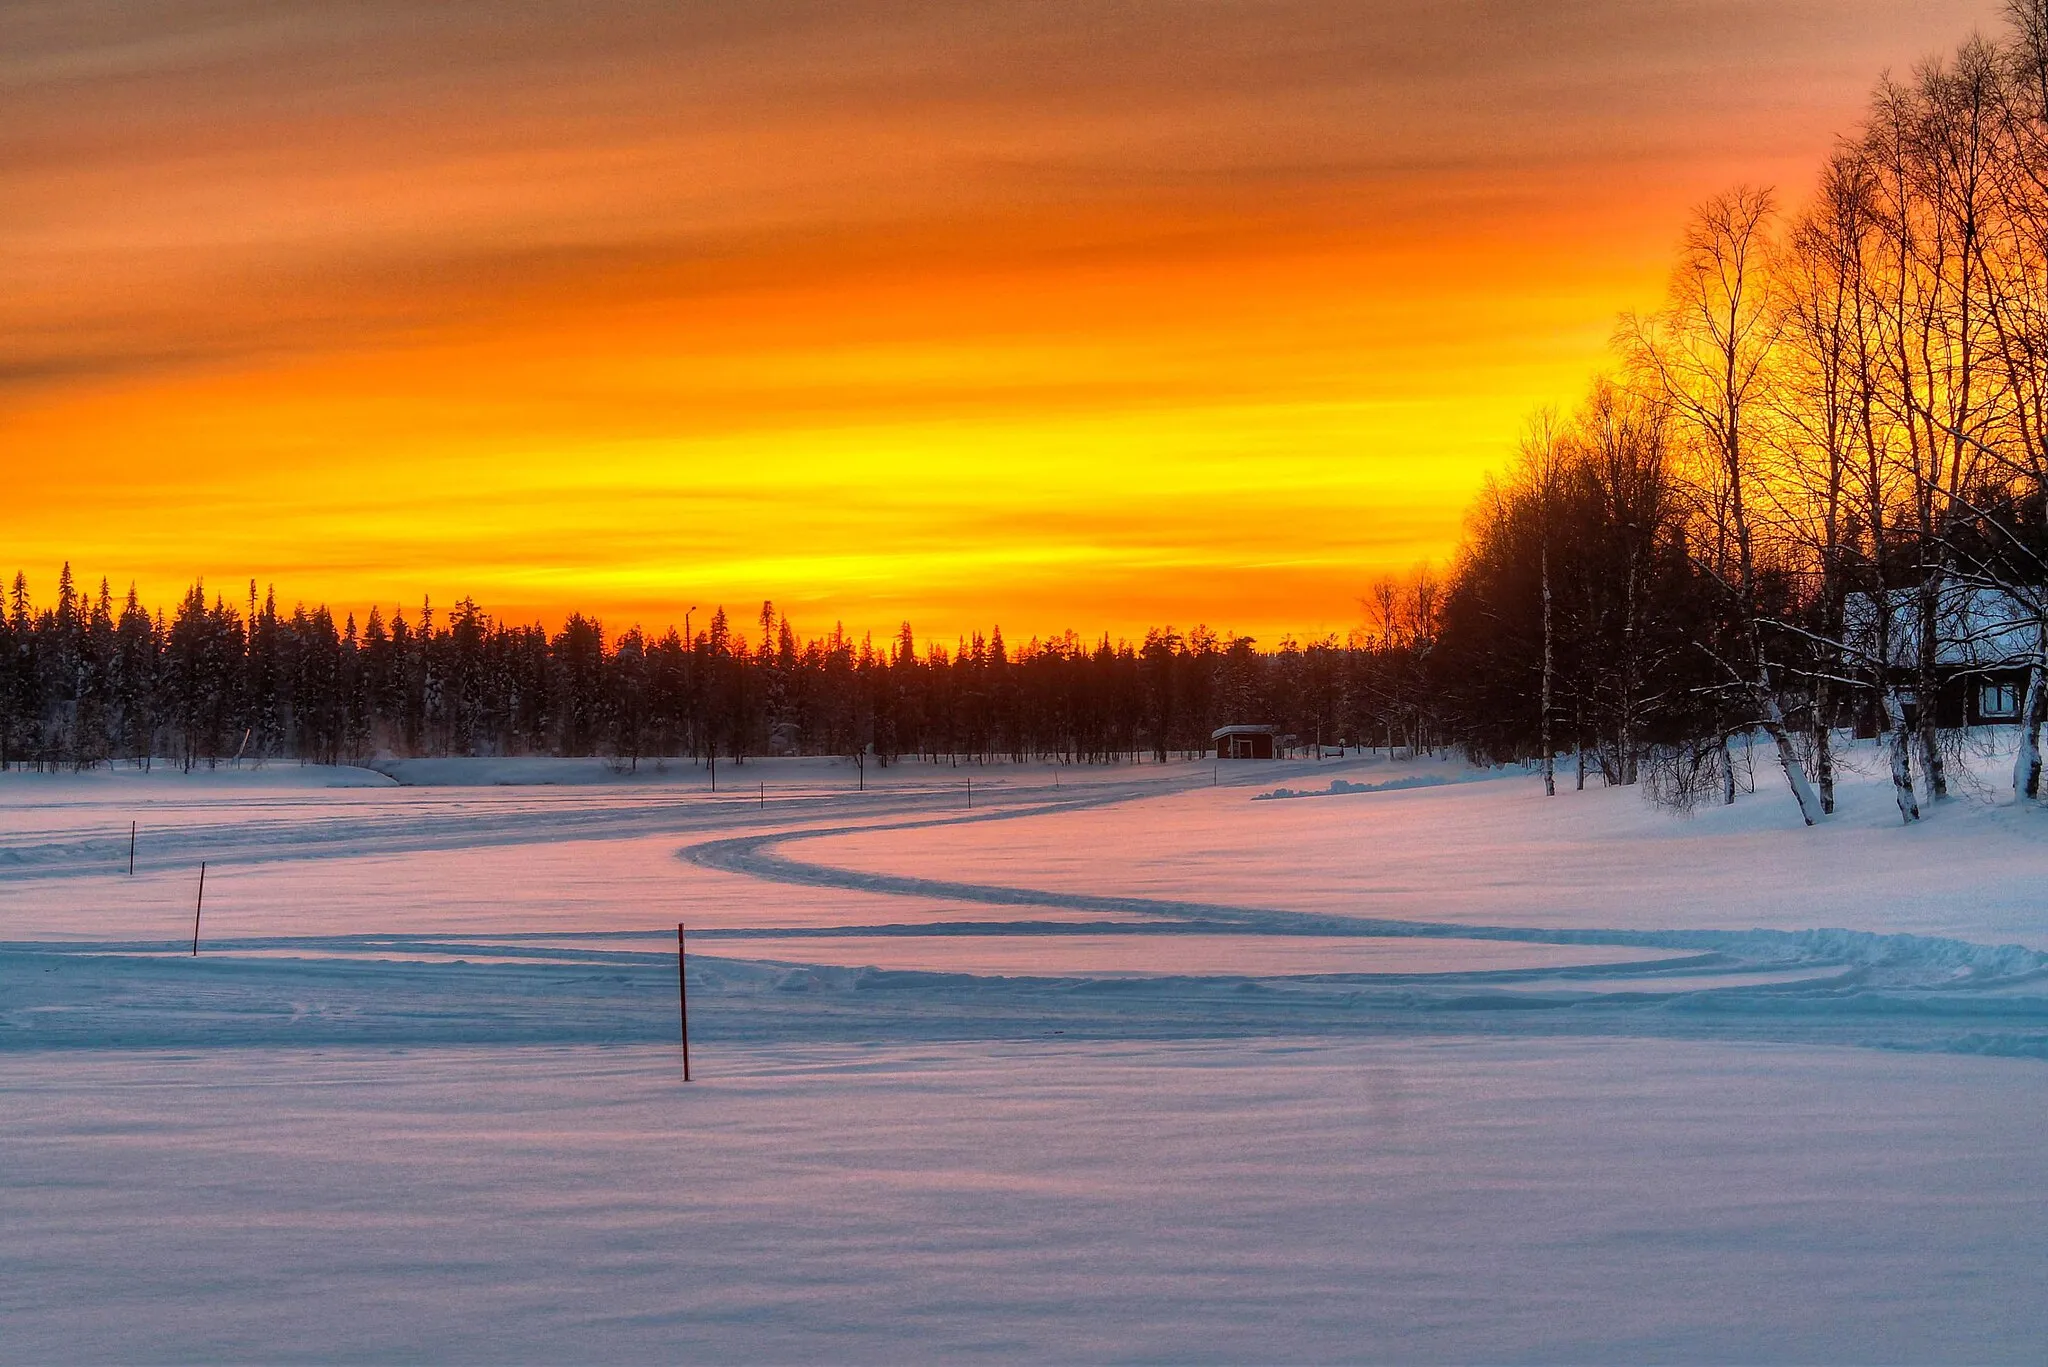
1974, 626
1220, 732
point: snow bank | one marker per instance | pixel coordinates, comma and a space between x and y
1338, 787
165, 779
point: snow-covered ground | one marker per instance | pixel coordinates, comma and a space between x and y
1284, 1199
1120, 1062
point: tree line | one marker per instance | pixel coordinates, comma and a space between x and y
89, 679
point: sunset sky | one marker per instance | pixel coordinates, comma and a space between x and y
1047, 314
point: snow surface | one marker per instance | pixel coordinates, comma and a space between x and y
1281, 1200
1119, 1063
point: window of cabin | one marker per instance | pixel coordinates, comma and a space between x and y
1998, 701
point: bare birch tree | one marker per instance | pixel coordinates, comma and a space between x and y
1840, 484
1705, 355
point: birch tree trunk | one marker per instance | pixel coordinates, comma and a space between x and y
1549, 749
1899, 745
1928, 680
1824, 759
1788, 756
2026, 765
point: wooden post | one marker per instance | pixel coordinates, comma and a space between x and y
764, 794
970, 794
683, 999
131, 849
196, 906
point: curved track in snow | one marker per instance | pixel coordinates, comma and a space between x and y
894, 977
275, 830
1864, 987
1941, 961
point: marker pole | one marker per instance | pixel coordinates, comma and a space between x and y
683, 1000
196, 906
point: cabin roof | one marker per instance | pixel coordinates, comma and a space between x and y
1974, 626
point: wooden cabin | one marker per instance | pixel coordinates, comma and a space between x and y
1985, 644
1243, 742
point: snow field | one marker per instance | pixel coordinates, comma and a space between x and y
1131, 1067
1279, 1200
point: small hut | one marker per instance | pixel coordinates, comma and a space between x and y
1243, 742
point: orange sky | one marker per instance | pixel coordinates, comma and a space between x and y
1049, 313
